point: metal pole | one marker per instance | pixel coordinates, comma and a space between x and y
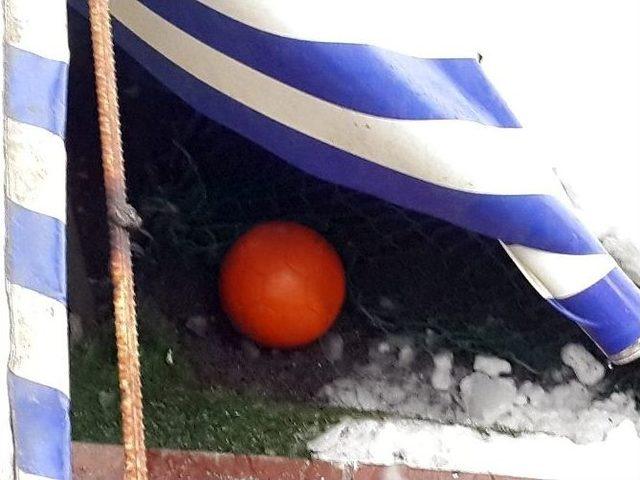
122, 218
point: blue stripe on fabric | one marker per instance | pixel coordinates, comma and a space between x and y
36, 90
368, 79
537, 221
36, 251
41, 428
608, 311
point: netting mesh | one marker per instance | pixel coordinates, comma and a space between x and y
422, 293
396, 260
407, 272
198, 186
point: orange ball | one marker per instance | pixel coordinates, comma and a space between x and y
282, 284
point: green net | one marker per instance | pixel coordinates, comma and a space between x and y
198, 186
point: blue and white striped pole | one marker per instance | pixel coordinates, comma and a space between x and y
6, 437
36, 63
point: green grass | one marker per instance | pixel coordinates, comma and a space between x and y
180, 413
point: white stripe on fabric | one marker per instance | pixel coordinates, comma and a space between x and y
456, 154
20, 475
559, 275
36, 169
413, 28
38, 27
39, 338
6, 436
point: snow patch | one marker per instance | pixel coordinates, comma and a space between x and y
406, 356
395, 349
446, 392
492, 366
486, 399
428, 445
586, 367
441, 378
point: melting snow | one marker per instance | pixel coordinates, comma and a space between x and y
485, 399
429, 445
492, 366
441, 377
586, 367
489, 397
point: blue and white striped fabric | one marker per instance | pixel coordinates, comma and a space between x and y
36, 61
419, 128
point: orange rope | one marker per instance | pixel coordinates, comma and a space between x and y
122, 217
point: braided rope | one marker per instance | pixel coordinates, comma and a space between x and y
121, 268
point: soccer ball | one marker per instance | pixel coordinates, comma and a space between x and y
282, 284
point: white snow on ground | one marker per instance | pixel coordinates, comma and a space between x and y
423, 444
586, 367
441, 378
486, 399
572, 407
492, 366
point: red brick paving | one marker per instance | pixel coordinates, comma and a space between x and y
92, 461
400, 472
105, 462
201, 465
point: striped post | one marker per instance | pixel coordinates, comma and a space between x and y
6, 438
36, 60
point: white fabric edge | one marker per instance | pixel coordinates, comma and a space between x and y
560, 275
